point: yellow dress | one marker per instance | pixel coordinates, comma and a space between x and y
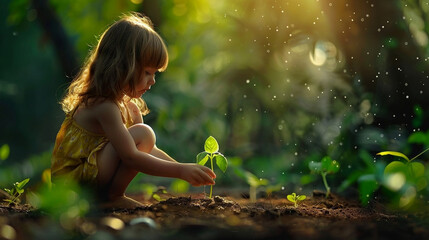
75, 151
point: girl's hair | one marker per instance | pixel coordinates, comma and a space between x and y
116, 64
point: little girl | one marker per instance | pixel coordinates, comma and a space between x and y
103, 141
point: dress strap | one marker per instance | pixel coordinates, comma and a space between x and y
130, 121
72, 112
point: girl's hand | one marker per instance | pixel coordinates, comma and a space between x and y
197, 175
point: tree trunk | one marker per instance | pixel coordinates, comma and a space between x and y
53, 28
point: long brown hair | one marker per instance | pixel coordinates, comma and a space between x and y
116, 64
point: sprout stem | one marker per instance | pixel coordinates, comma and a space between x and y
418, 155
328, 189
211, 164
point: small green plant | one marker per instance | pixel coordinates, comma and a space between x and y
325, 167
15, 192
66, 200
398, 174
211, 152
296, 198
253, 181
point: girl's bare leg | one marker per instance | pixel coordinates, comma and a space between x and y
113, 175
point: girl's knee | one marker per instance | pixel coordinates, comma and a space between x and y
144, 137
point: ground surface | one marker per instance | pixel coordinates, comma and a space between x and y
191, 217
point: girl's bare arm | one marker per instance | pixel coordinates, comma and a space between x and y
161, 154
109, 116
137, 118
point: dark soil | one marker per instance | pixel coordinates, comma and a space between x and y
191, 217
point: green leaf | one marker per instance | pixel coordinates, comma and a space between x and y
211, 145
421, 183
202, 158
239, 172
221, 162
416, 169
315, 166
367, 159
263, 182
291, 198
9, 191
254, 181
251, 179
156, 197
397, 154
418, 137
367, 187
301, 197
22, 183
307, 178
4, 152
179, 186
20, 191
329, 165
418, 116
394, 167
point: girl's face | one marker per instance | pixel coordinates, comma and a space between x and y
146, 81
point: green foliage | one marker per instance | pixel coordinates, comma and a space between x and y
153, 191
369, 182
401, 179
4, 152
15, 192
418, 116
32, 168
324, 167
179, 186
419, 138
65, 200
211, 148
404, 176
296, 198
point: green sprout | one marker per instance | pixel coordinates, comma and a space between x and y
253, 181
296, 198
325, 167
15, 192
411, 171
211, 152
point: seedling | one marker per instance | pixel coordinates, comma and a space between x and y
325, 167
15, 192
296, 198
253, 181
414, 172
211, 152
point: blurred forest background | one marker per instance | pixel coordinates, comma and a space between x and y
278, 83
